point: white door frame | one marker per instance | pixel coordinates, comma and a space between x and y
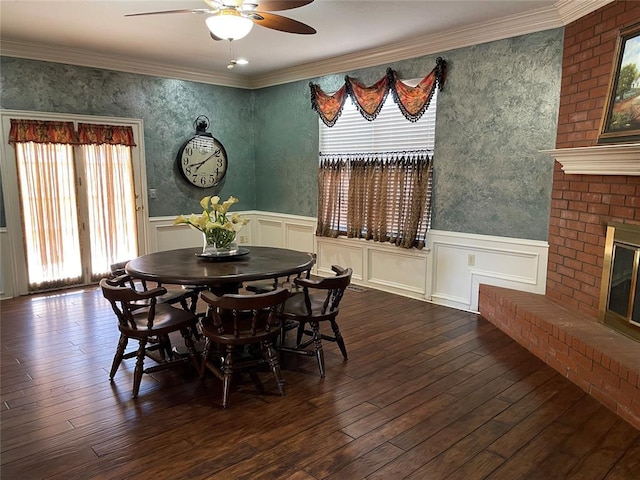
13, 278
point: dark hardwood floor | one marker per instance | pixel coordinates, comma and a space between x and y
427, 393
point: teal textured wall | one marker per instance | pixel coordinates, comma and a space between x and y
498, 109
168, 108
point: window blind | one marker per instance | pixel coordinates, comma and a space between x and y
389, 132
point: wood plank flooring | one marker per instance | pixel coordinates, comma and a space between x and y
427, 393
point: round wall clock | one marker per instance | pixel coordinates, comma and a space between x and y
202, 159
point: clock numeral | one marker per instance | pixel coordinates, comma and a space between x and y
185, 160
188, 150
188, 170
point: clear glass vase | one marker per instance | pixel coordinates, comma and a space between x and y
219, 244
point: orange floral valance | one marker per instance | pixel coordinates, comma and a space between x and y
369, 100
39, 131
47, 131
93, 134
329, 107
412, 101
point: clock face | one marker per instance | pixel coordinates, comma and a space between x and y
203, 161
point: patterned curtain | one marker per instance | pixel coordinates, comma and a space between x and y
93, 134
369, 100
329, 107
385, 197
333, 185
39, 131
412, 101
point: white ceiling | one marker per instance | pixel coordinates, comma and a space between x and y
350, 34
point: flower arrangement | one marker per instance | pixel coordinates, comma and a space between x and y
219, 229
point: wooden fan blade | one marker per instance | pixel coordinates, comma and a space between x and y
271, 5
187, 10
283, 24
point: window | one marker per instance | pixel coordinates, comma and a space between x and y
375, 176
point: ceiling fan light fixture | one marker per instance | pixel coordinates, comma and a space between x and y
229, 24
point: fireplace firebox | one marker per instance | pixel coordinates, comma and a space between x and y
620, 287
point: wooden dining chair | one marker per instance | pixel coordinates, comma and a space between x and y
142, 318
319, 303
267, 285
186, 295
234, 323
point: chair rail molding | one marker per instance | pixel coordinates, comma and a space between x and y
618, 159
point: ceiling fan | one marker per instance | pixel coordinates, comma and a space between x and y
233, 19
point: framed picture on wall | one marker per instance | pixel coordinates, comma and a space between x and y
621, 118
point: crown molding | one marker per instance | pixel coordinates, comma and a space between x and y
570, 10
47, 53
619, 159
560, 14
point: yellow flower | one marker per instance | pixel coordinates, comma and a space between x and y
180, 219
213, 221
204, 203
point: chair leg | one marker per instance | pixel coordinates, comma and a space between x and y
272, 359
191, 348
205, 358
339, 339
317, 338
137, 373
300, 333
166, 352
117, 359
227, 370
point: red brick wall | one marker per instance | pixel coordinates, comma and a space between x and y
582, 205
589, 50
604, 364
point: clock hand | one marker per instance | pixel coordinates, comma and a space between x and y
198, 165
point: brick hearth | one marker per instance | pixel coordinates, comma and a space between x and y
603, 362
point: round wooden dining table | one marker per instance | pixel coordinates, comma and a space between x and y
185, 266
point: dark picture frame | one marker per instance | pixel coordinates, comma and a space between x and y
621, 118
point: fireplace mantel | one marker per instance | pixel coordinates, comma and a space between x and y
619, 159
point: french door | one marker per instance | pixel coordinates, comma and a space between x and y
78, 208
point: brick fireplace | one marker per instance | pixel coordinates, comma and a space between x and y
562, 327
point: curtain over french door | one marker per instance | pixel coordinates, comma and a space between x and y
76, 194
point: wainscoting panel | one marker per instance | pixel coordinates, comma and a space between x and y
461, 261
448, 272
300, 237
346, 254
269, 232
377, 265
166, 236
398, 270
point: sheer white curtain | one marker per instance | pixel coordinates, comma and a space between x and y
112, 208
46, 177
